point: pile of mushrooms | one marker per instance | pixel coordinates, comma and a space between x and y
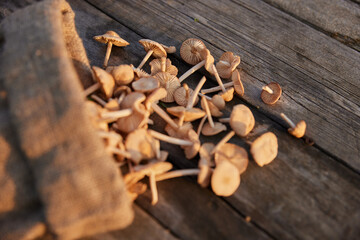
123, 98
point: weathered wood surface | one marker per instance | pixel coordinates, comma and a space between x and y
338, 18
319, 75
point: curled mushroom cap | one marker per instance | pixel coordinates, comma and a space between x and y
158, 50
155, 65
123, 74
227, 64
234, 154
105, 79
264, 149
113, 37
207, 130
190, 50
239, 88
225, 179
169, 49
242, 120
170, 83
218, 101
145, 84
267, 96
189, 114
299, 130
228, 95
182, 95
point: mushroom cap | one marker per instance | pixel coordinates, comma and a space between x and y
112, 105
155, 96
120, 89
205, 162
158, 50
205, 153
180, 132
139, 73
105, 79
170, 83
190, 114
190, 50
234, 154
180, 96
264, 149
132, 100
140, 145
299, 130
155, 65
242, 120
213, 109
94, 111
209, 60
227, 64
123, 74
239, 88
271, 98
169, 49
225, 179
218, 101
145, 85
207, 130
228, 95
192, 151
113, 37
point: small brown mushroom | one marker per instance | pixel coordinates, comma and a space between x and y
225, 179
94, 111
193, 149
227, 64
170, 83
112, 105
218, 101
241, 120
239, 88
145, 85
105, 82
190, 50
169, 49
218, 127
214, 110
223, 141
177, 173
110, 38
156, 66
264, 149
297, 130
123, 74
182, 95
154, 97
234, 154
271, 93
139, 73
205, 164
152, 48
228, 94
169, 139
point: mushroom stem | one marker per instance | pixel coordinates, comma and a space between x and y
181, 119
121, 98
218, 79
187, 91
208, 113
203, 95
192, 70
217, 88
117, 114
193, 96
163, 64
98, 100
201, 124
177, 173
288, 120
224, 120
169, 139
164, 115
223, 141
107, 56
269, 90
91, 89
154, 192
147, 56
120, 152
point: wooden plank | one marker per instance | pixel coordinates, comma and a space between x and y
318, 74
340, 19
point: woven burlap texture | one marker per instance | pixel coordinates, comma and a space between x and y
54, 172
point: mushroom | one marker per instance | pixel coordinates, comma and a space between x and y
228, 94
139, 73
190, 50
214, 110
169, 49
227, 64
193, 149
241, 120
271, 93
222, 142
264, 149
98, 99
205, 106
105, 82
135, 190
177, 173
145, 85
170, 83
123, 74
154, 97
218, 101
112, 105
114, 115
205, 164
297, 130
169, 139
225, 179
201, 125
110, 38
156, 66
152, 48
164, 115
182, 95
94, 111
180, 131
234, 154
218, 127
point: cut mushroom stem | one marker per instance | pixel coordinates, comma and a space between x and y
288, 120
147, 56
192, 70
117, 114
107, 56
154, 192
92, 89
98, 100
203, 95
269, 90
177, 173
201, 124
120, 152
223, 141
169, 139
207, 110
224, 120
218, 79
193, 97
217, 88
164, 115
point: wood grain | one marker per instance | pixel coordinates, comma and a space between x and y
318, 74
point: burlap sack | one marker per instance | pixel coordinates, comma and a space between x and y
54, 172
